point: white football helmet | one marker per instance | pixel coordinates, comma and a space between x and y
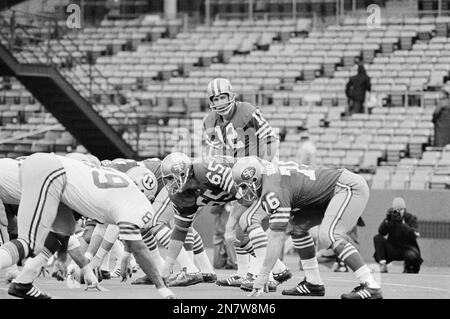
217, 87
145, 180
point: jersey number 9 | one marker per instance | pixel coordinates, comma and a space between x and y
108, 180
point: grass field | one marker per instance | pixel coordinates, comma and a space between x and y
430, 283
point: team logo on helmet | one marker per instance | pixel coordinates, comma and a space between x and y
148, 182
178, 168
248, 173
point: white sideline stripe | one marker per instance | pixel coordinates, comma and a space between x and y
398, 285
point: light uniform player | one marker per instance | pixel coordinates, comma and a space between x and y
58, 238
237, 129
305, 197
160, 230
102, 194
193, 185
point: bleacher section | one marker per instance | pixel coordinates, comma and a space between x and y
296, 75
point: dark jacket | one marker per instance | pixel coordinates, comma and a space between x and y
358, 85
441, 121
401, 234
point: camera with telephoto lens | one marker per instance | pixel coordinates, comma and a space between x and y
394, 216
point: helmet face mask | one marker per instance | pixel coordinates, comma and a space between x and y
175, 184
249, 191
247, 176
219, 87
175, 170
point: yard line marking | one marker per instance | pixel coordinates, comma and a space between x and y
401, 285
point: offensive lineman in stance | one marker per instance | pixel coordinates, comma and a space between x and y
102, 194
192, 185
304, 197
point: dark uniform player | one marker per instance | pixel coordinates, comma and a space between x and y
305, 197
193, 185
161, 227
238, 129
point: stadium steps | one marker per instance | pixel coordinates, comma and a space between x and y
68, 106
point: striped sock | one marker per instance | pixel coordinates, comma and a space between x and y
349, 255
163, 236
242, 260
259, 242
304, 247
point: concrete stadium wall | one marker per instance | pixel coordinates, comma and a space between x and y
426, 205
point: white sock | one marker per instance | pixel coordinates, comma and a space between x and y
260, 252
156, 257
5, 258
185, 261
279, 267
203, 263
253, 266
242, 264
105, 264
31, 269
364, 275
311, 268
190, 253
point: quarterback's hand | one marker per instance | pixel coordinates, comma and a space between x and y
260, 286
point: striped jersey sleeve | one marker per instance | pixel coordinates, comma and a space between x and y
278, 208
129, 231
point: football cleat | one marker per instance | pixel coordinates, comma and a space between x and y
363, 292
283, 276
142, 281
271, 285
209, 278
232, 281
26, 291
184, 279
305, 288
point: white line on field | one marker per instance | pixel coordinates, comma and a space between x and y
400, 285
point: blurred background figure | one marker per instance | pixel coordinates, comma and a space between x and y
356, 89
400, 227
441, 119
307, 150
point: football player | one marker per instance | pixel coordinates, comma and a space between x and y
160, 229
100, 193
193, 185
305, 197
237, 129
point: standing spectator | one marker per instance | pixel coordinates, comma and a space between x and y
306, 153
401, 243
441, 119
355, 90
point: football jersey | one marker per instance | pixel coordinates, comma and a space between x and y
246, 134
211, 185
152, 164
288, 187
107, 195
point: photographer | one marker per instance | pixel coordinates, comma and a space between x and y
401, 244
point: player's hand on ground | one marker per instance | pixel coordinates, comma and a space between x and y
60, 270
125, 268
260, 286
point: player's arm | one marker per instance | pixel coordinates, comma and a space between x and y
131, 235
183, 219
96, 240
266, 136
4, 236
109, 238
279, 211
